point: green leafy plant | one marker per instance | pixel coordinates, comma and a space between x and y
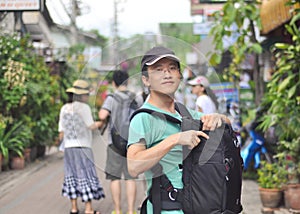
29, 93
293, 171
283, 95
236, 23
3, 145
14, 139
272, 175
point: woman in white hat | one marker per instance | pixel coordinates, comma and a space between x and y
206, 101
75, 127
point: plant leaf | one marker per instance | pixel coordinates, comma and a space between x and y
292, 91
284, 83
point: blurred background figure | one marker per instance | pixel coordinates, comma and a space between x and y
116, 166
189, 98
75, 129
206, 99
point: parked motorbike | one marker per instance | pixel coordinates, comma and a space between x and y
258, 145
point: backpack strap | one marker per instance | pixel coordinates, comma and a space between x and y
163, 116
182, 110
128, 94
155, 194
118, 96
163, 195
187, 120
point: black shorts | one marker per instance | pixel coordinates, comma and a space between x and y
116, 166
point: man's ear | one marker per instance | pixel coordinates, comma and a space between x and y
114, 84
181, 75
146, 81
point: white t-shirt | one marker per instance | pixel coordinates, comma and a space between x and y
206, 104
74, 120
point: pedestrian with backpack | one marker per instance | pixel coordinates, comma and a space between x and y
116, 110
154, 140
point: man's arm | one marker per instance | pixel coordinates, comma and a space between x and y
140, 159
103, 114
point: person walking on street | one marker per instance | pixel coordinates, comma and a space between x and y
206, 101
75, 129
116, 164
153, 140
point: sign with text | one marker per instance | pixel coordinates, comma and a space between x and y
20, 5
212, 1
225, 90
205, 9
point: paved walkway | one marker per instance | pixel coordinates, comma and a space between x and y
11, 193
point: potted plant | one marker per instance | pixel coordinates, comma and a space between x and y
14, 138
271, 178
292, 188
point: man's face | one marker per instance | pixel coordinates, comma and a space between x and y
163, 77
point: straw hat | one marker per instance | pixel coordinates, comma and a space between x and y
79, 87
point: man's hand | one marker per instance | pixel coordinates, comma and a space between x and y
190, 138
213, 121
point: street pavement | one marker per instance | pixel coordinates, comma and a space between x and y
37, 188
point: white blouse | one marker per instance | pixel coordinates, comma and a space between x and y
74, 120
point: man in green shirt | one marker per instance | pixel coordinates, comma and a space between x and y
151, 139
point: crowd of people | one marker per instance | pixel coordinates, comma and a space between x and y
150, 141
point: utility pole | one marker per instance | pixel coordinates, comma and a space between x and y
73, 27
116, 47
115, 34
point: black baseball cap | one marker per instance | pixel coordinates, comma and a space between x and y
157, 53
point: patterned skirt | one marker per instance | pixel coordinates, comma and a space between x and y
80, 179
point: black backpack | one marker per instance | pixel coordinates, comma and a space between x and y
212, 172
123, 106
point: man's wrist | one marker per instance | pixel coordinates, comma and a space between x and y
225, 119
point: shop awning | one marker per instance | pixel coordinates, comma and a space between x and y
274, 13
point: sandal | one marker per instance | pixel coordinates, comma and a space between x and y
77, 212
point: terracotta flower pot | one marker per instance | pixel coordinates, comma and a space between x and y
17, 163
292, 196
270, 197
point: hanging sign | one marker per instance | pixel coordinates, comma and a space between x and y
20, 5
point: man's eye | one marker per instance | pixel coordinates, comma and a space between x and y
159, 69
173, 68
